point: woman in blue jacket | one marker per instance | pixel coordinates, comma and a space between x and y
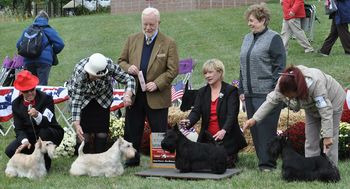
52, 44
339, 28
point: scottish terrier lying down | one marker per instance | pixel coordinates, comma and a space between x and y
296, 167
107, 164
193, 156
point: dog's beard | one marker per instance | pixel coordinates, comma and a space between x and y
51, 152
129, 154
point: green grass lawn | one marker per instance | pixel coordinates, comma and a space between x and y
202, 35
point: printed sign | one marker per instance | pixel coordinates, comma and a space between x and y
159, 157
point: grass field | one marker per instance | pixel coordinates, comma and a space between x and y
202, 35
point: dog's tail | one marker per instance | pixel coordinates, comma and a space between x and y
81, 147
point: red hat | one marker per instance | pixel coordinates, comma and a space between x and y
25, 81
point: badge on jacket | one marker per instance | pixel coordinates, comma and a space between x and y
320, 102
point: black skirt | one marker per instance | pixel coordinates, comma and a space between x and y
94, 118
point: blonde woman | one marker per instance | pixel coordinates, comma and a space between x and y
217, 104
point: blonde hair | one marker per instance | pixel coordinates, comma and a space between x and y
151, 10
260, 12
214, 64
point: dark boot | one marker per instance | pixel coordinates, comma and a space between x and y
47, 162
231, 161
100, 144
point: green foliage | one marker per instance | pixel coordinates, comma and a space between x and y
6, 3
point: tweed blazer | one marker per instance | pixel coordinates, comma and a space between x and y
227, 112
162, 67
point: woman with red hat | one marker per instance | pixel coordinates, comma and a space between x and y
33, 117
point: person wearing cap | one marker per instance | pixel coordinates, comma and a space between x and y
151, 57
33, 117
91, 93
52, 44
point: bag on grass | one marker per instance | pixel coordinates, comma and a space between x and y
54, 59
31, 44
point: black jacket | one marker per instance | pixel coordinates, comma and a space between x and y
227, 111
22, 123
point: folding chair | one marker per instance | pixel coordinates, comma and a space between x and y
10, 69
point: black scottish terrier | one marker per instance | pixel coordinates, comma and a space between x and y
188, 98
193, 156
296, 167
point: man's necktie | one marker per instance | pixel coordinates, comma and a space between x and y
148, 40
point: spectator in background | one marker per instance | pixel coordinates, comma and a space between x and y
320, 95
33, 116
150, 56
52, 44
217, 104
91, 93
293, 11
339, 28
262, 57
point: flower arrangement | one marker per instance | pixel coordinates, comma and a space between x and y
116, 127
296, 135
345, 117
67, 146
145, 142
344, 140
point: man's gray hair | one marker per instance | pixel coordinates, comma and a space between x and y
151, 10
42, 14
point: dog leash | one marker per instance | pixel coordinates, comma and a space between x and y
31, 121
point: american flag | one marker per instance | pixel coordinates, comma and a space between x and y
177, 91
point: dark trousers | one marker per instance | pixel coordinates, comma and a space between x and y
263, 131
341, 31
135, 120
54, 135
41, 70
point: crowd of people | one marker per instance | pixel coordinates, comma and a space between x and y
148, 64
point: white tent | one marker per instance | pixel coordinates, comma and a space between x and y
91, 5
70, 4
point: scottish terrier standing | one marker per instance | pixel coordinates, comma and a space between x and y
31, 166
109, 163
193, 156
296, 167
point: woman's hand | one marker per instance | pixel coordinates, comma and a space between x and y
241, 97
78, 130
22, 146
327, 143
33, 112
248, 124
127, 99
220, 135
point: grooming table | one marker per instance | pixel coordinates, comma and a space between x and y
172, 173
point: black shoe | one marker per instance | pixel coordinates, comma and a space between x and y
322, 54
